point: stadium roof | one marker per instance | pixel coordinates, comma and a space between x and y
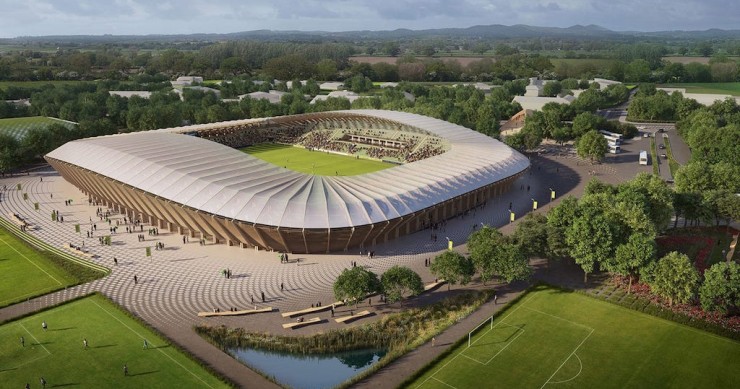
223, 181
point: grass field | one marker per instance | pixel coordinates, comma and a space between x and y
18, 127
25, 273
722, 88
566, 340
114, 339
31, 84
314, 162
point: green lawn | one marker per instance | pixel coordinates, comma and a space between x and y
25, 272
18, 127
314, 162
31, 84
723, 88
114, 339
567, 340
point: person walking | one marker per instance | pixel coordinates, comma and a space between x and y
434, 341
263, 296
44, 326
136, 279
146, 345
495, 299
281, 286
42, 381
23, 342
115, 261
125, 370
84, 343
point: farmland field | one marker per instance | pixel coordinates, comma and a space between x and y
314, 162
558, 339
18, 127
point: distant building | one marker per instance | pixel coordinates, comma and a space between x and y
388, 84
701, 98
131, 93
351, 96
289, 84
204, 89
603, 82
535, 103
273, 96
186, 81
535, 87
331, 86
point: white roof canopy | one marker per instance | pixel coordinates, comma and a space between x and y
227, 182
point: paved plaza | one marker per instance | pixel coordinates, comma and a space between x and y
176, 283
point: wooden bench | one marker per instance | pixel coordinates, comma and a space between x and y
236, 313
358, 315
311, 310
298, 324
78, 252
434, 285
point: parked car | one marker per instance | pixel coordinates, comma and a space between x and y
661, 146
664, 156
661, 130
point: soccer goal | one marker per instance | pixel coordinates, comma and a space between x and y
470, 334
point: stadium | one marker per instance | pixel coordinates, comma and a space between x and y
198, 180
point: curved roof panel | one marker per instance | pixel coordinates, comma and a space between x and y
217, 179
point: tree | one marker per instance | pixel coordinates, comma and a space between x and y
590, 239
721, 288
674, 278
531, 235
399, 281
9, 147
638, 252
354, 284
552, 88
452, 267
559, 219
593, 146
482, 245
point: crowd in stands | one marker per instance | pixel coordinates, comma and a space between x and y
239, 137
406, 147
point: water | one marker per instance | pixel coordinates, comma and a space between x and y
315, 371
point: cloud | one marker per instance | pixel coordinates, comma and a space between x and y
61, 17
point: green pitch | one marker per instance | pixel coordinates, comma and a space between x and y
25, 273
114, 339
314, 162
557, 339
18, 127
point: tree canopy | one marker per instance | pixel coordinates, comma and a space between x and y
400, 281
452, 267
355, 283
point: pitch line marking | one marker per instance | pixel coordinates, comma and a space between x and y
34, 338
29, 260
158, 349
560, 318
444, 383
566, 359
461, 352
575, 376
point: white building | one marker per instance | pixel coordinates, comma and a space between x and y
186, 81
351, 96
331, 86
273, 96
701, 98
603, 82
130, 93
535, 103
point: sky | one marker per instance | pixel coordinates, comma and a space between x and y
141, 17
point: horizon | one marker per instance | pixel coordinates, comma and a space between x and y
39, 18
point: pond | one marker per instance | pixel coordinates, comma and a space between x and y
312, 371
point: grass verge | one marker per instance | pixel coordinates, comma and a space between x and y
672, 163
654, 156
26, 271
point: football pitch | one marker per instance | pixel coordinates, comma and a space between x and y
314, 162
25, 273
18, 127
114, 340
557, 339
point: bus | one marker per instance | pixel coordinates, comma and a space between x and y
613, 139
612, 134
615, 149
643, 158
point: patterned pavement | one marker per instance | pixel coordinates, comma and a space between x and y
183, 279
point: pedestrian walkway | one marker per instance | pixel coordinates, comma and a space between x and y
177, 282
